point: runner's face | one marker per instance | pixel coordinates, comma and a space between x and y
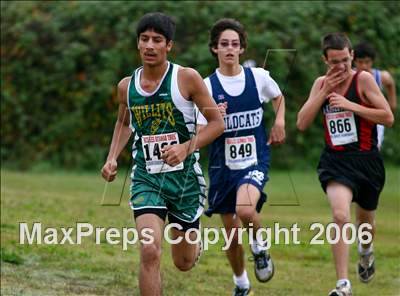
153, 48
364, 64
339, 59
228, 48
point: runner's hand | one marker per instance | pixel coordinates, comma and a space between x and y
109, 170
338, 101
174, 154
277, 135
222, 108
333, 78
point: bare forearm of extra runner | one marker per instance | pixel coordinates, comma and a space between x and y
121, 136
375, 115
279, 108
392, 99
390, 88
310, 110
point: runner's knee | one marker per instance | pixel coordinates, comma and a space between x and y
245, 212
150, 254
341, 216
183, 263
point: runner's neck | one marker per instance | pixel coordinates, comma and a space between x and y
154, 73
230, 70
151, 77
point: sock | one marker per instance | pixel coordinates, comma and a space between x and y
242, 281
344, 282
363, 251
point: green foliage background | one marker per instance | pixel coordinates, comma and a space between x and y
61, 62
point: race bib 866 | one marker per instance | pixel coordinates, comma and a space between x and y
342, 127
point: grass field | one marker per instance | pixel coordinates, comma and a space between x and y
62, 199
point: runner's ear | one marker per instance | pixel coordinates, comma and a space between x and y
169, 45
215, 50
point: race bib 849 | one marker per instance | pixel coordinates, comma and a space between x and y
240, 152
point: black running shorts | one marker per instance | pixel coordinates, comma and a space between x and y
362, 172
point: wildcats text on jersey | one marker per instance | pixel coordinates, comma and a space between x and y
243, 120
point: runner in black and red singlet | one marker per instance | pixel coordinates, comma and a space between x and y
350, 167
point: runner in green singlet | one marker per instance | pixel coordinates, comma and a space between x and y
158, 104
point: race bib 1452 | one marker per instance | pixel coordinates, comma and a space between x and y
152, 146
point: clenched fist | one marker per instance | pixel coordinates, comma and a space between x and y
109, 170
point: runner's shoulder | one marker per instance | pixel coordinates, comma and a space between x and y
122, 89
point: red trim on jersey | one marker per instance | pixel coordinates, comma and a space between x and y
365, 137
366, 126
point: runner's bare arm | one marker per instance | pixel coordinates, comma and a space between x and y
121, 135
192, 86
197, 91
390, 87
321, 88
310, 109
277, 134
369, 90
